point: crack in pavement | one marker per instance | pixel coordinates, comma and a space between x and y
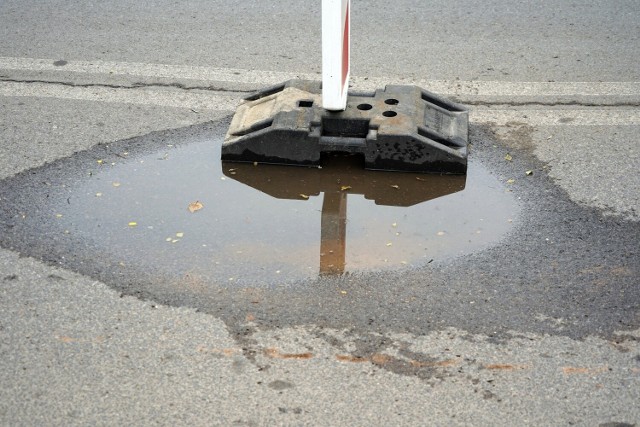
135, 85
211, 88
572, 103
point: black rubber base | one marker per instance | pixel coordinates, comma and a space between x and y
400, 128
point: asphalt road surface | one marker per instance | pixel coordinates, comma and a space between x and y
540, 327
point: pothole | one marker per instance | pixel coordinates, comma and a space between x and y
178, 212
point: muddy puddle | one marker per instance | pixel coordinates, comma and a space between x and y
178, 211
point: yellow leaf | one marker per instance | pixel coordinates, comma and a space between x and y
180, 234
345, 188
511, 181
529, 173
133, 224
98, 194
304, 196
508, 157
99, 161
195, 206
116, 184
389, 244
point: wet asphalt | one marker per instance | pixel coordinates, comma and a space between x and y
558, 261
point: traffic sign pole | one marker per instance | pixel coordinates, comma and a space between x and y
336, 41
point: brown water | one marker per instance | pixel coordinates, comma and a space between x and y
270, 224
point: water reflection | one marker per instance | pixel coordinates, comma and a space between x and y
340, 176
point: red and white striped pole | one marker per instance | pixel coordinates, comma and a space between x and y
336, 40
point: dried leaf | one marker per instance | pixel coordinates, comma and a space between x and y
195, 206
394, 225
304, 196
529, 173
98, 194
345, 188
511, 181
508, 157
116, 184
395, 186
99, 161
133, 224
180, 234
389, 244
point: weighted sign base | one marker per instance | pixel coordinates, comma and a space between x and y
399, 128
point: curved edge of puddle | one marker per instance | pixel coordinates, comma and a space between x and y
125, 204
535, 271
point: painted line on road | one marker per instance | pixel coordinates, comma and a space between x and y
261, 78
140, 96
221, 101
558, 117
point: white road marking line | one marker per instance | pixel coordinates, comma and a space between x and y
564, 117
261, 78
228, 102
140, 96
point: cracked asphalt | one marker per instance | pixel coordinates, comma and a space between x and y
540, 328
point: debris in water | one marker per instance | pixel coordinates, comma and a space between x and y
529, 173
304, 196
508, 157
195, 206
133, 224
345, 188
116, 184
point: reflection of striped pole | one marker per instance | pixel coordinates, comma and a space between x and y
335, 53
